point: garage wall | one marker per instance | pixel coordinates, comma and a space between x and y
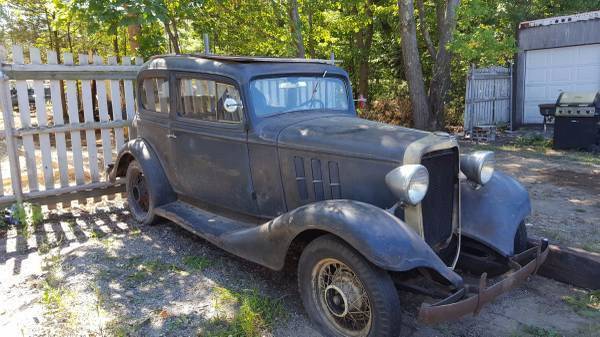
532, 39
548, 72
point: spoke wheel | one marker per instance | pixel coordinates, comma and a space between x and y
138, 194
344, 294
342, 297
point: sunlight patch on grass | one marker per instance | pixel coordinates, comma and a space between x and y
252, 314
586, 304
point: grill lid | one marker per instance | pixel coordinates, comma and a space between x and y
580, 104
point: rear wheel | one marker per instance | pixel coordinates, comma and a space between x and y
344, 294
139, 197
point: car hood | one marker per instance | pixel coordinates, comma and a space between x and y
352, 136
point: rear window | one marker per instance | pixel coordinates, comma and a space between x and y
155, 94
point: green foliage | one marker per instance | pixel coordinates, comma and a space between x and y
485, 34
586, 304
536, 141
253, 314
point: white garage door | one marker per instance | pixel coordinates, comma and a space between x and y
550, 71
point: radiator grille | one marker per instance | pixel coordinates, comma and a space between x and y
438, 204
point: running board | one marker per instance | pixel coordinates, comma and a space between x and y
205, 224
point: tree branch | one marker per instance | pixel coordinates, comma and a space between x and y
424, 30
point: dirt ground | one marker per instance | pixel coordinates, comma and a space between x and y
95, 273
91, 271
564, 187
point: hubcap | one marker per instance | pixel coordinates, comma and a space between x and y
342, 298
140, 198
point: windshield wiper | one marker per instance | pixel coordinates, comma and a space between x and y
314, 91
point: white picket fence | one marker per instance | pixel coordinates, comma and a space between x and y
62, 124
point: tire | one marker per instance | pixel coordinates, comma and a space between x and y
521, 238
346, 278
477, 258
139, 198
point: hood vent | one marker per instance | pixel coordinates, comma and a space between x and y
319, 183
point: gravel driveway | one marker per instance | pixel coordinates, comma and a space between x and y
90, 271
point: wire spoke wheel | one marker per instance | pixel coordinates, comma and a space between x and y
342, 297
139, 197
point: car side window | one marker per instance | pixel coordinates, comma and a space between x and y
205, 99
155, 94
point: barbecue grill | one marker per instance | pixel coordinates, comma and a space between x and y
577, 120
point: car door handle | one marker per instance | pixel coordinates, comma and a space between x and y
171, 136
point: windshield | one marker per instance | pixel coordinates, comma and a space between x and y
271, 96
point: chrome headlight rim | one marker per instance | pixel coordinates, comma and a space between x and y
409, 183
478, 166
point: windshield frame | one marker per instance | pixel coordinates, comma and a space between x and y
350, 110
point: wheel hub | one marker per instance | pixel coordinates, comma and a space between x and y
344, 299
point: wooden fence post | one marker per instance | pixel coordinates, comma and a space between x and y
13, 158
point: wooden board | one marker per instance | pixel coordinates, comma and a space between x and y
42, 117
25, 114
117, 114
73, 112
57, 117
571, 265
88, 113
103, 113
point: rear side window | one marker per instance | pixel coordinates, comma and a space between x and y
205, 99
155, 94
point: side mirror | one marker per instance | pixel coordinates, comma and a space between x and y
231, 105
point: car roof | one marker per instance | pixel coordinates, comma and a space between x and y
240, 67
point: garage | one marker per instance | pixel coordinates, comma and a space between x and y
555, 54
551, 71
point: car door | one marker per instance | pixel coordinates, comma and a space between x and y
153, 118
210, 143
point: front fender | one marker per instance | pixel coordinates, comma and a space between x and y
139, 150
492, 213
380, 237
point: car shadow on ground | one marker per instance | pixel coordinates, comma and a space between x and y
118, 278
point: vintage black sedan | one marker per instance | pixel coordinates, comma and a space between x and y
267, 159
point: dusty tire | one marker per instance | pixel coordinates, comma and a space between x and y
477, 258
344, 294
521, 238
139, 197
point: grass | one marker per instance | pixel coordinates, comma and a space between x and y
196, 263
586, 304
147, 269
538, 145
252, 315
55, 297
534, 331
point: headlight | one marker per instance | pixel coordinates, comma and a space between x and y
409, 183
478, 166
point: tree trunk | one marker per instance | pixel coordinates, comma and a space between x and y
133, 34
364, 39
172, 38
440, 79
412, 65
296, 28
116, 44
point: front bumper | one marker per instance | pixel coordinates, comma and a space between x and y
470, 299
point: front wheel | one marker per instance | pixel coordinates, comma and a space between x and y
344, 294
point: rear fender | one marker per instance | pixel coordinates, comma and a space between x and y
380, 237
139, 150
491, 214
